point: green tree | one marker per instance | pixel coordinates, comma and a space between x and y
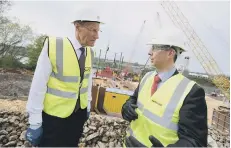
13, 37
4, 6
10, 62
34, 51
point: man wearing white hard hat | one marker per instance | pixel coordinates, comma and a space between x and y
60, 96
167, 109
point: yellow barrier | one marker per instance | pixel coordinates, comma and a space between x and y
109, 100
114, 100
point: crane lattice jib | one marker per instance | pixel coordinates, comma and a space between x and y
128, 66
198, 48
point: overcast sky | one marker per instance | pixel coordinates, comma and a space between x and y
124, 20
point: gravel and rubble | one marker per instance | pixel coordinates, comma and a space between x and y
217, 138
99, 131
103, 131
13, 125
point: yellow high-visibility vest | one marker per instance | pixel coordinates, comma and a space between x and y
158, 115
64, 85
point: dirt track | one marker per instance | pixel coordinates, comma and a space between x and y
13, 105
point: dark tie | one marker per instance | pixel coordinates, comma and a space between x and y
82, 67
155, 83
82, 62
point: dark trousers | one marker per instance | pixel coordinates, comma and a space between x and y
63, 132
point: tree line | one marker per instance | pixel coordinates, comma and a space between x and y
19, 45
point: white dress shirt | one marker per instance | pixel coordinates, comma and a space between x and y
164, 76
39, 84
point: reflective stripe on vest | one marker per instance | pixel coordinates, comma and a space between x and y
59, 74
64, 85
65, 78
60, 93
59, 64
92, 56
165, 120
84, 89
64, 94
141, 86
144, 80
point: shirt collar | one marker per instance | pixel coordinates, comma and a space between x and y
75, 43
166, 75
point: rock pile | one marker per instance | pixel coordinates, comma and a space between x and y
102, 131
99, 131
218, 139
13, 127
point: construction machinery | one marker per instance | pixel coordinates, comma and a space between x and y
136, 78
106, 72
128, 66
110, 100
198, 48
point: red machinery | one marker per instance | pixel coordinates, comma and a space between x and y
107, 72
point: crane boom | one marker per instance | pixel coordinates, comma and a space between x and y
198, 48
128, 66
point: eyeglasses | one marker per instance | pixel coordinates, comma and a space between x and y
92, 30
165, 47
160, 47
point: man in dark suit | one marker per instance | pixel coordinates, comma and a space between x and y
167, 109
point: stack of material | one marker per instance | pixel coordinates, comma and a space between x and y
103, 131
130, 85
219, 131
110, 83
99, 131
13, 127
218, 139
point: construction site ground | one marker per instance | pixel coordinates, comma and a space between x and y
15, 85
118, 83
211, 104
20, 105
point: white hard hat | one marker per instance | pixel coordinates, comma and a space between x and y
170, 36
88, 15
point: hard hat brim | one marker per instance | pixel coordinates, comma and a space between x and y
179, 48
89, 21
